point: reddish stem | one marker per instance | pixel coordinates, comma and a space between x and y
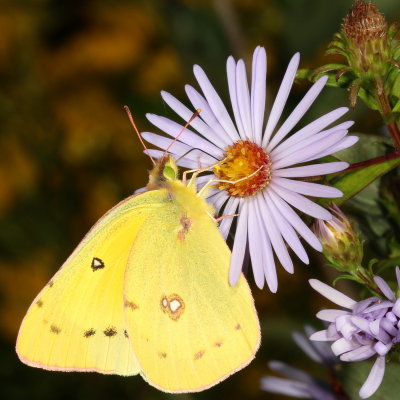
394, 130
336, 385
362, 164
372, 161
386, 111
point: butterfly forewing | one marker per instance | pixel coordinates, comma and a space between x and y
77, 321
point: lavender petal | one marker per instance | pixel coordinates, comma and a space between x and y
239, 245
311, 170
281, 97
301, 108
359, 354
258, 92
285, 386
332, 294
374, 379
330, 315
385, 288
215, 103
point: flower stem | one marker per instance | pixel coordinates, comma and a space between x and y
372, 161
369, 283
336, 385
361, 164
394, 130
386, 111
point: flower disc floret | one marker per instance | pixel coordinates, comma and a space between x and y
247, 166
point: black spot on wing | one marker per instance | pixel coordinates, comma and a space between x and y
131, 305
55, 329
110, 331
39, 303
97, 264
126, 333
199, 355
90, 332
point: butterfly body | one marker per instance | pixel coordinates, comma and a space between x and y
146, 291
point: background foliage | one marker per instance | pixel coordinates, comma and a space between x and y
68, 153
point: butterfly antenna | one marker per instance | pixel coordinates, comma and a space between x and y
128, 111
189, 151
195, 114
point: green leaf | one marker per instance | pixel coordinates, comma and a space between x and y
353, 182
368, 147
353, 374
396, 107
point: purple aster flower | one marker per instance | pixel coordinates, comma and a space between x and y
255, 162
301, 384
364, 329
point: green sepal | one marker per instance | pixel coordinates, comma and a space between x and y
371, 263
368, 98
346, 276
328, 67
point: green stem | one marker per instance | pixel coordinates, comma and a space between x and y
369, 282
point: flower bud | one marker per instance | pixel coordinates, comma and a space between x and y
341, 243
369, 45
365, 30
364, 23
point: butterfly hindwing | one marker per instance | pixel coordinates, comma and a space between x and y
189, 328
77, 321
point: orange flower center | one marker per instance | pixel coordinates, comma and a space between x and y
246, 166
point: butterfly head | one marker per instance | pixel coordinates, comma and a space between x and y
164, 171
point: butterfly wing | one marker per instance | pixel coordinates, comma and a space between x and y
77, 321
189, 328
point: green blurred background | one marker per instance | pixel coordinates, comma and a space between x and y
68, 153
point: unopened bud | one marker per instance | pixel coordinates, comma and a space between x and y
341, 244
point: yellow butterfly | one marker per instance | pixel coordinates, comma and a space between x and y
146, 291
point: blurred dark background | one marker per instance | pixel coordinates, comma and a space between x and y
68, 152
